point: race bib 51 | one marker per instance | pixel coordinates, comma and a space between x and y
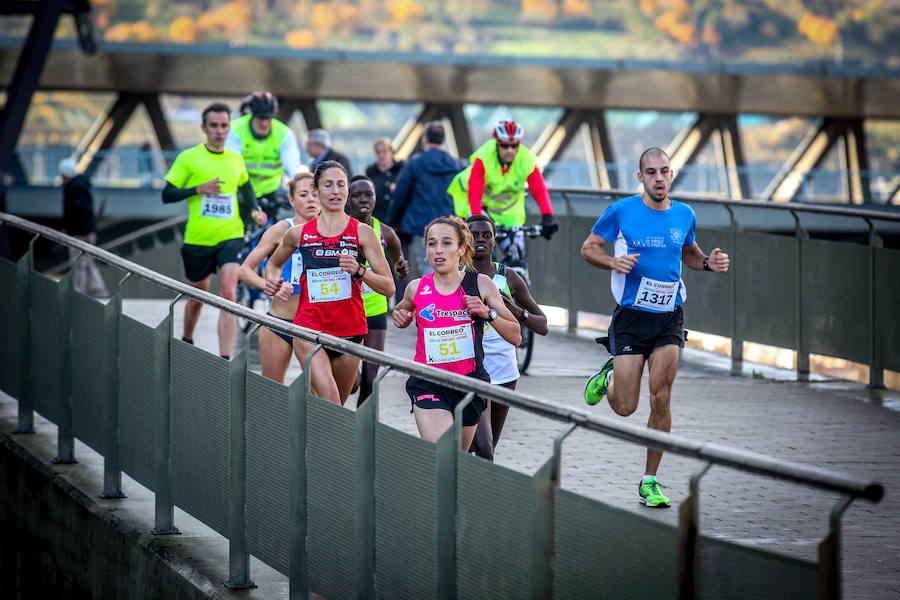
448, 344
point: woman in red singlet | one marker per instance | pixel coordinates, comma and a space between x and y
450, 307
334, 248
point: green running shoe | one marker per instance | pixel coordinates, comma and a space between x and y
595, 389
650, 494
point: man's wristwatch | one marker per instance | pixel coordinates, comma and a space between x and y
360, 272
706, 264
524, 316
492, 314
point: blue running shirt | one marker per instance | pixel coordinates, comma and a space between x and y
293, 268
654, 284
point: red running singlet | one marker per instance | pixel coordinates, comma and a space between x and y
330, 299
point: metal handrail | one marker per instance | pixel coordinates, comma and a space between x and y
789, 206
740, 459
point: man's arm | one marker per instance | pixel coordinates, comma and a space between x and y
694, 258
537, 320
248, 208
593, 252
476, 186
394, 251
171, 193
538, 188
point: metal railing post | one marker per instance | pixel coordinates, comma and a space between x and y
737, 343
65, 437
112, 469
876, 373
298, 393
546, 481
688, 532
830, 553
25, 392
366, 420
238, 557
801, 337
162, 337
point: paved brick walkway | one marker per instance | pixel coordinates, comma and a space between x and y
830, 424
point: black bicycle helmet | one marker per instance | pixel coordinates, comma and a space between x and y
263, 105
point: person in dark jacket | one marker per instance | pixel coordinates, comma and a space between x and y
318, 144
421, 191
79, 222
383, 173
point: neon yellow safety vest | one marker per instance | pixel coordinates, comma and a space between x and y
262, 157
212, 218
374, 303
504, 194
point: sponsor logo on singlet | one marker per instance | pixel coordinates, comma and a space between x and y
427, 313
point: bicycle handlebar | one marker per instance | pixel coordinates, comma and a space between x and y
530, 231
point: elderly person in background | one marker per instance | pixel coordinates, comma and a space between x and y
383, 173
79, 221
318, 144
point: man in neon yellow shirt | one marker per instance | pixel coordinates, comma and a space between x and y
494, 183
210, 177
269, 147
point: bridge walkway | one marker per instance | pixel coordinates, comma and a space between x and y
827, 423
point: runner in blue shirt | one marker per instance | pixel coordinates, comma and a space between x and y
652, 234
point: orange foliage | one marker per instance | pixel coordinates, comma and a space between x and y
324, 17
650, 7
820, 30
183, 30
300, 38
102, 20
405, 10
671, 21
139, 31
545, 10
228, 20
577, 8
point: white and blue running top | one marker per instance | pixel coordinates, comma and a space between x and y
654, 284
293, 268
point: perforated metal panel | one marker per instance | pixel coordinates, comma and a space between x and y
200, 453
11, 319
331, 499
887, 317
137, 426
405, 516
766, 271
45, 346
88, 370
728, 570
494, 530
836, 299
601, 552
268, 478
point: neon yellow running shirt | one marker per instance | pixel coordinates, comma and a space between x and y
212, 218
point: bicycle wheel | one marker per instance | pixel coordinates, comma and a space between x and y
525, 349
244, 297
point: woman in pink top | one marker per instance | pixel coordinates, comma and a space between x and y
450, 307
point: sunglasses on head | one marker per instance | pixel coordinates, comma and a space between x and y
506, 146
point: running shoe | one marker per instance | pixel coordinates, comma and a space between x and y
595, 389
650, 494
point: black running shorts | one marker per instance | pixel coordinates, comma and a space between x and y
640, 332
425, 394
200, 261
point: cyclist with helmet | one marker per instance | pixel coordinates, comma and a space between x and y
269, 147
494, 183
